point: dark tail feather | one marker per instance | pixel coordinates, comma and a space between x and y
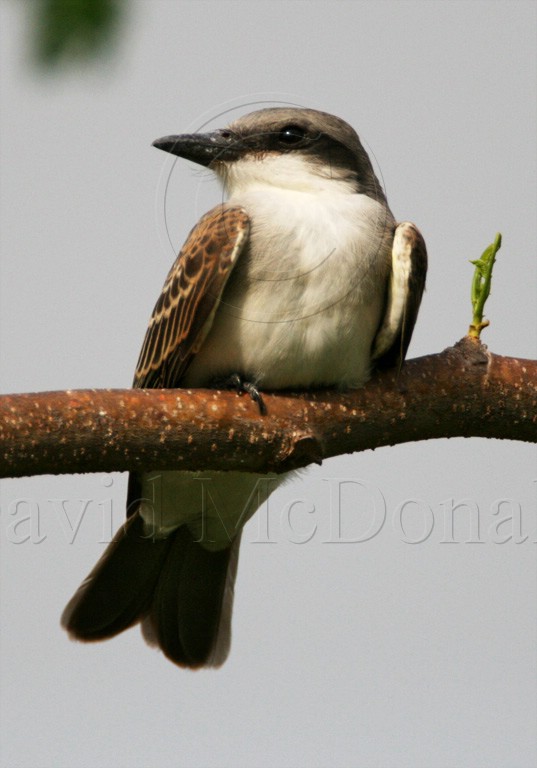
182, 592
190, 616
120, 587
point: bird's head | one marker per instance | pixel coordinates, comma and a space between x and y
289, 147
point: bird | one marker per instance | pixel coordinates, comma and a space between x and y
301, 279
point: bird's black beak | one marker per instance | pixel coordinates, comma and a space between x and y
203, 148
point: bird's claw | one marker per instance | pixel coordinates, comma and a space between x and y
236, 382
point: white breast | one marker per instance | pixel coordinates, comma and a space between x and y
304, 301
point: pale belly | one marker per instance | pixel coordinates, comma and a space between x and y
328, 347
214, 505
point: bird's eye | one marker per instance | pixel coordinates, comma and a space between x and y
291, 134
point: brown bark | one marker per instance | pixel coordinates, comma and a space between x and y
463, 391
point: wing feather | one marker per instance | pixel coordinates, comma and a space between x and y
407, 282
185, 308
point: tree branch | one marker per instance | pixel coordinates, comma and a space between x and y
464, 391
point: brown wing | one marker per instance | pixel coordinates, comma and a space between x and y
407, 282
183, 313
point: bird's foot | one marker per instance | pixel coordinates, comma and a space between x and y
236, 382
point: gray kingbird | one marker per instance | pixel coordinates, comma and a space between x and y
301, 280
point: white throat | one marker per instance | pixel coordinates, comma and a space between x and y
290, 171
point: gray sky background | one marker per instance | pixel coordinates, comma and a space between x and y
381, 653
